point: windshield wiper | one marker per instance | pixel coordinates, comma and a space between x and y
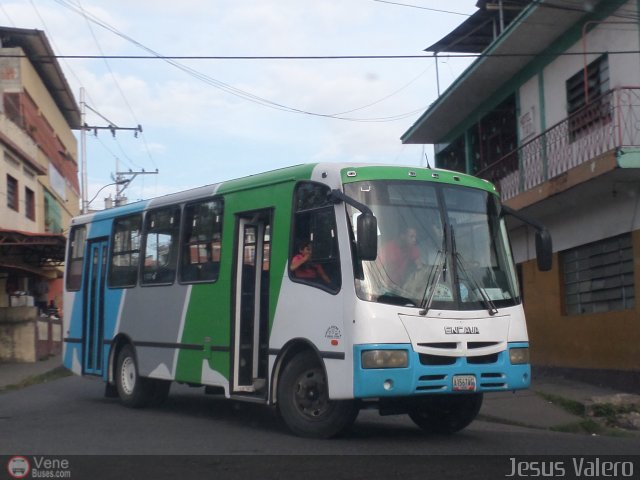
460, 263
438, 270
395, 299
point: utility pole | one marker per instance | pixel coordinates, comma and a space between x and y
83, 148
83, 154
122, 182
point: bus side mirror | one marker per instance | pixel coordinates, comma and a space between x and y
544, 250
367, 243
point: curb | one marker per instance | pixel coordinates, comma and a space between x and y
612, 415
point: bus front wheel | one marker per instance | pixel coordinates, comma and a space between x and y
303, 400
133, 390
445, 413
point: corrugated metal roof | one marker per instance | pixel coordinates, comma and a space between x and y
18, 247
477, 32
37, 48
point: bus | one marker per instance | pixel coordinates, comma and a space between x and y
317, 289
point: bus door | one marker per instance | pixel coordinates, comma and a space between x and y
250, 349
93, 327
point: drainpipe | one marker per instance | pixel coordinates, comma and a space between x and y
435, 56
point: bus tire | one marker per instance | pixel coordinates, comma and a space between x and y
303, 400
133, 390
445, 414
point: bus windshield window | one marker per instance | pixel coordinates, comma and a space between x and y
439, 246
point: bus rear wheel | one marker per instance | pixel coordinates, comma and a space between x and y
445, 414
304, 404
133, 390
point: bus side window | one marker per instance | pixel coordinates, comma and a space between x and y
77, 240
123, 271
162, 228
202, 242
314, 256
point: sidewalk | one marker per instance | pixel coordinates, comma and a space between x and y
15, 373
538, 407
555, 402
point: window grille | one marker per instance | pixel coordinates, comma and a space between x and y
598, 277
587, 107
12, 193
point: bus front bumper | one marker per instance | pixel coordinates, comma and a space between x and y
424, 374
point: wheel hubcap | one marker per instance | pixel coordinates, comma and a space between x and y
128, 375
311, 393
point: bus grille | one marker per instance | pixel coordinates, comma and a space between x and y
490, 377
442, 382
428, 359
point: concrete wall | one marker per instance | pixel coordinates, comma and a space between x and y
17, 220
27, 337
33, 85
588, 341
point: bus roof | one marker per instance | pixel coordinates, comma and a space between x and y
347, 172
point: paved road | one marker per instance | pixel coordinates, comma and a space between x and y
70, 416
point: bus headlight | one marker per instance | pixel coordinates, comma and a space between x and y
385, 359
519, 356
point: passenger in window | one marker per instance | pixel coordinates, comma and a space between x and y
303, 268
400, 257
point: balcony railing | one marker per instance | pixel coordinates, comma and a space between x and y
607, 123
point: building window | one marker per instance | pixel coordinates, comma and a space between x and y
586, 105
598, 277
52, 214
12, 193
30, 203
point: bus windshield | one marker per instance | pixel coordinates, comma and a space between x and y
440, 246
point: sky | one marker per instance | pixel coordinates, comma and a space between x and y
208, 120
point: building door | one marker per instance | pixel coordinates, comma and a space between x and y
94, 307
251, 317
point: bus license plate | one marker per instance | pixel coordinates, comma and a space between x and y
464, 383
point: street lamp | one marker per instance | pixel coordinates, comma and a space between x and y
118, 182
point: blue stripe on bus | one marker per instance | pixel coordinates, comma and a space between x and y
99, 227
419, 379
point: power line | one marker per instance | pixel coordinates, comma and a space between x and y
208, 79
221, 57
413, 80
47, 29
440, 56
623, 13
6, 14
172, 60
423, 8
115, 81
42, 20
99, 114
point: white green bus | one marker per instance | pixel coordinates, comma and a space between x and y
318, 289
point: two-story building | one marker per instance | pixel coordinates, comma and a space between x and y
40, 191
550, 112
